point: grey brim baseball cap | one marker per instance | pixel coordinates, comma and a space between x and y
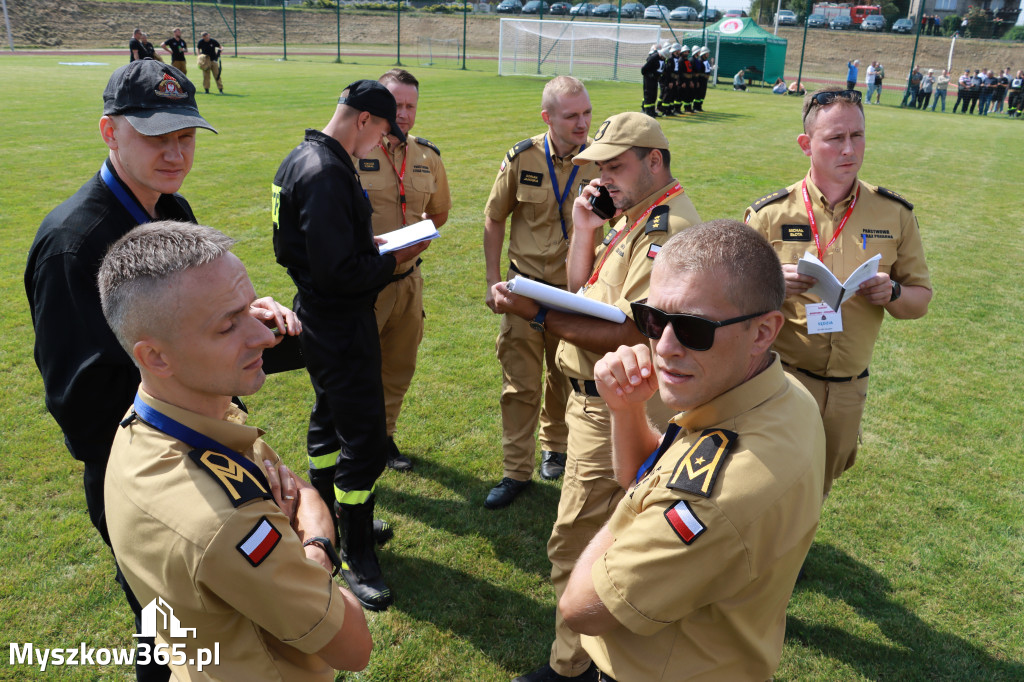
154, 97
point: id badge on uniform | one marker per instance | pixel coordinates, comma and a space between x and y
821, 319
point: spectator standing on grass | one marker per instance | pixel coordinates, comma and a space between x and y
1002, 83
844, 222
913, 88
532, 193
149, 126
148, 49
988, 91
879, 77
851, 74
210, 48
869, 80
927, 84
963, 88
733, 483
974, 91
178, 48
203, 515
1016, 99
941, 84
135, 49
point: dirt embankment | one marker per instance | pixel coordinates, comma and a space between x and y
90, 24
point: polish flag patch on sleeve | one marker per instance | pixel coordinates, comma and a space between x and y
684, 522
261, 540
653, 251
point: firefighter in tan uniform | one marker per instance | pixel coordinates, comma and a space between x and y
534, 184
203, 517
651, 206
690, 578
406, 183
843, 221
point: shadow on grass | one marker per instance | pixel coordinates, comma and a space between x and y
917, 652
703, 117
517, 534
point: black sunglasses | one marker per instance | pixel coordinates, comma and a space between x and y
827, 97
696, 333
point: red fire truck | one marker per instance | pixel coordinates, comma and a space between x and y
831, 10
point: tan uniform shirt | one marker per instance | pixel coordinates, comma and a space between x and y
425, 183
699, 575
626, 274
879, 224
238, 575
536, 246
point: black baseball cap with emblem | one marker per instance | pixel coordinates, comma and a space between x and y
373, 98
155, 97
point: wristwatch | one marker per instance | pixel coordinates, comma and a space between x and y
897, 291
537, 323
327, 546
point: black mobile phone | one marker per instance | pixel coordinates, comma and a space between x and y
602, 203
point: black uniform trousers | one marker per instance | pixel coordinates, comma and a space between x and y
650, 92
342, 353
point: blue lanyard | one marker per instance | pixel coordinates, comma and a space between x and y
175, 429
560, 196
670, 435
123, 196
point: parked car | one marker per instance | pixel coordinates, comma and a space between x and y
735, 13
607, 10
873, 22
561, 8
655, 12
683, 13
582, 9
713, 15
786, 17
633, 10
903, 25
533, 7
841, 24
510, 7
817, 21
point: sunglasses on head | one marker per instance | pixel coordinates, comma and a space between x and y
823, 99
693, 332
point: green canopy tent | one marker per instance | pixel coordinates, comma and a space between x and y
745, 45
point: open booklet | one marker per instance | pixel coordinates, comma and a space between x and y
557, 299
422, 231
828, 287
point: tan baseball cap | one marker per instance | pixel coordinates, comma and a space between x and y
620, 133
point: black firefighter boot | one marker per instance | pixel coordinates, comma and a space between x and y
359, 565
323, 481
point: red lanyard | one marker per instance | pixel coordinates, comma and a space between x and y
814, 224
401, 177
674, 190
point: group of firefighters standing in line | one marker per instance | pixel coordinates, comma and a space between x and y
682, 73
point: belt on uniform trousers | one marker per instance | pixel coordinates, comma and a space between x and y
402, 275
604, 677
512, 266
586, 387
831, 380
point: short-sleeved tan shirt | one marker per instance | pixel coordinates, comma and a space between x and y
699, 575
625, 275
425, 182
881, 223
238, 575
523, 189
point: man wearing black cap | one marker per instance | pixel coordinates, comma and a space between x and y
323, 235
149, 125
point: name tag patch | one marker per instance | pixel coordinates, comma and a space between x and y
530, 178
369, 164
796, 233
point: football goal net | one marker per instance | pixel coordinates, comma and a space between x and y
442, 52
585, 49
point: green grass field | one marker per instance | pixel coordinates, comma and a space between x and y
916, 573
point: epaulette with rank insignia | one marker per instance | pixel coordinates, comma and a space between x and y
769, 198
698, 469
895, 197
518, 148
238, 482
427, 143
658, 221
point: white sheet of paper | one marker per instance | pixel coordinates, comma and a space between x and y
557, 299
823, 320
422, 231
